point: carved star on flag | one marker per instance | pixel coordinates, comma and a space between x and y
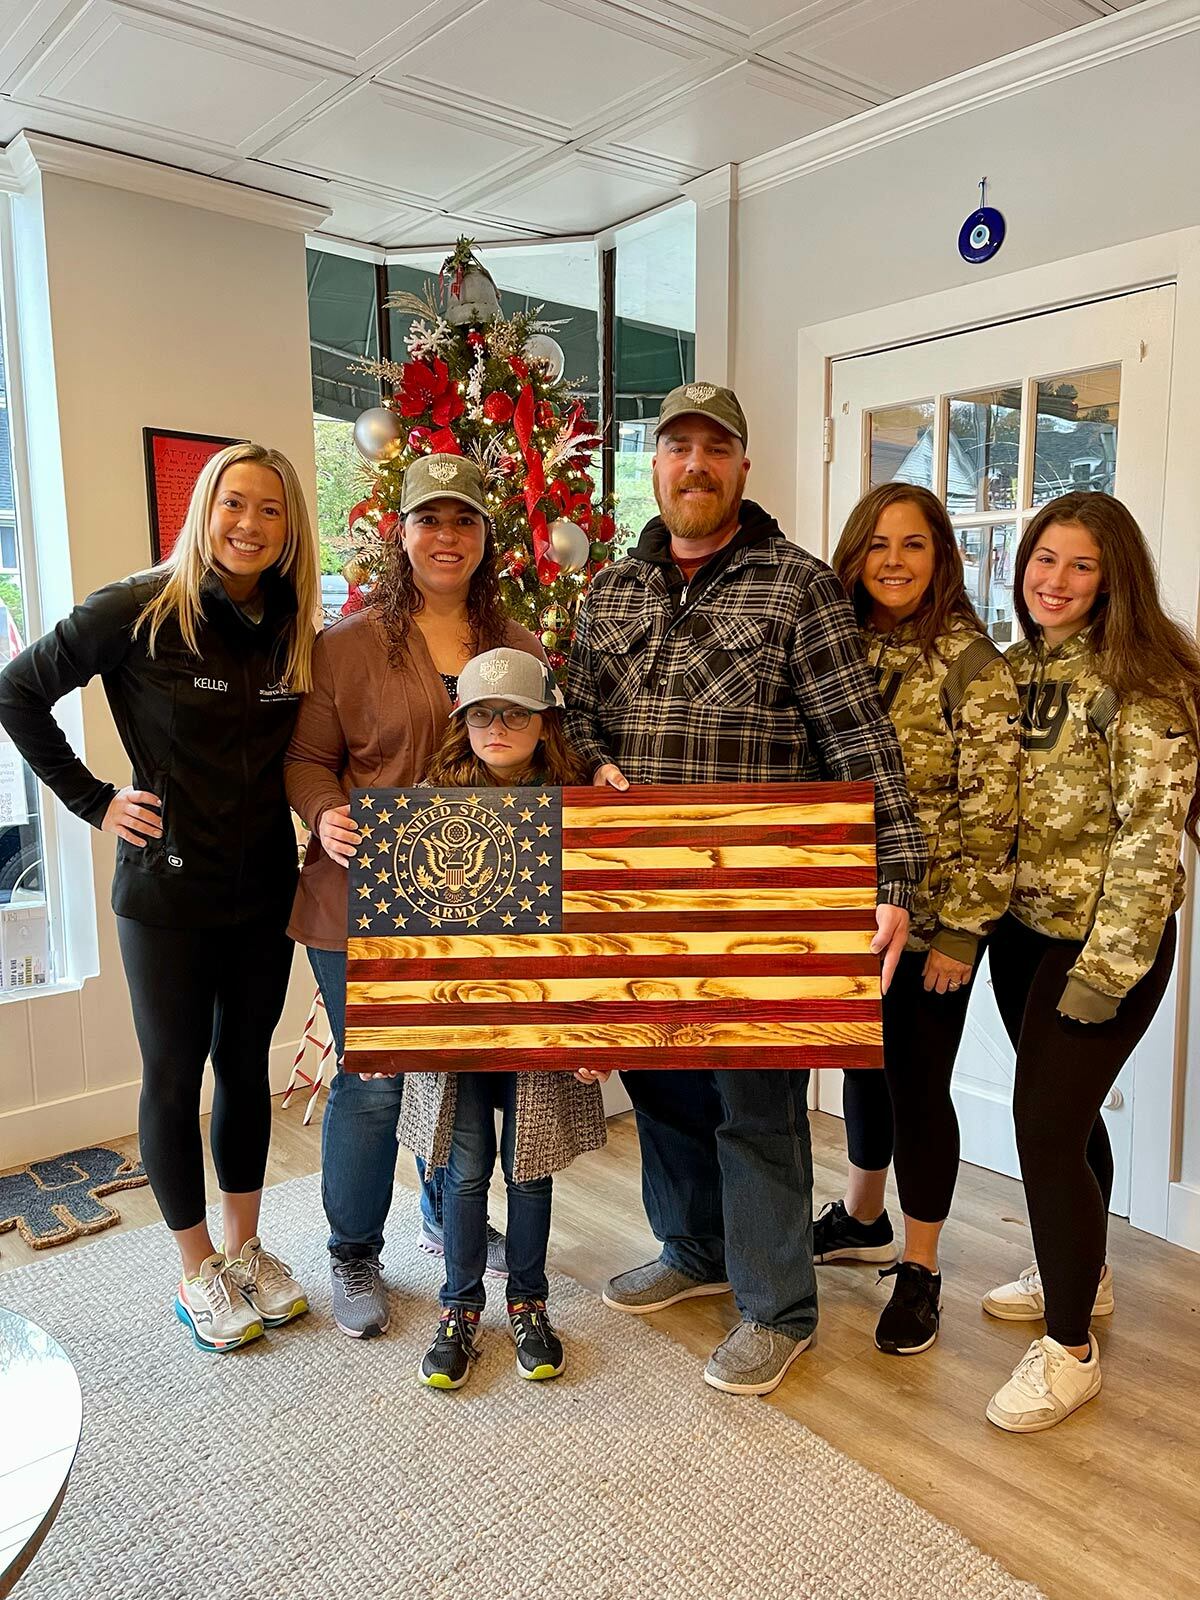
543, 919
364, 922
509, 800
543, 859
527, 815
364, 891
543, 888
385, 816
367, 801
367, 833
381, 876
526, 844
543, 800
544, 829
508, 919
398, 920
382, 904
472, 799
525, 874
525, 905
402, 801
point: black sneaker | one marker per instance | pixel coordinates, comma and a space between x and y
447, 1362
539, 1349
837, 1236
909, 1321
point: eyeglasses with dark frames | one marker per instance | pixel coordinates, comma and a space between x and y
513, 717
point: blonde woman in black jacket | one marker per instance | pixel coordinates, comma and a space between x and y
203, 660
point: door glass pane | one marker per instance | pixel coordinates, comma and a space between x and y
902, 445
985, 435
987, 555
1076, 433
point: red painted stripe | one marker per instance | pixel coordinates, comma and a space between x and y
703, 837
795, 921
634, 879
735, 1059
563, 1013
385, 969
723, 794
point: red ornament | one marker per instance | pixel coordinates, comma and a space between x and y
605, 528
544, 414
417, 438
498, 407
476, 338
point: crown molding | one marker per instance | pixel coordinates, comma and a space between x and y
1109, 38
30, 155
716, 188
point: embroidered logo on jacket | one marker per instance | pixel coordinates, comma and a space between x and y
218, 685
1043, 714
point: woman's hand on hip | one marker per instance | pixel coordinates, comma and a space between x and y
134, 815
942, 974
339, 836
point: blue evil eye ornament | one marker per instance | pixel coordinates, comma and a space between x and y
982, 234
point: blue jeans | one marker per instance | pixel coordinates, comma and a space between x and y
358, 1137
472, 1159
727, 1185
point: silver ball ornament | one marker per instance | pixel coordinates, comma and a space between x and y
547, 353
377, 432
569, 545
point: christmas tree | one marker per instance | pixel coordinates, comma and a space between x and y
479, 384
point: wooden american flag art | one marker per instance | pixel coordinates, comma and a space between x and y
668, 926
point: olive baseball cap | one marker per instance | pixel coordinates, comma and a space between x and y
512, 675
705, 400
443, 477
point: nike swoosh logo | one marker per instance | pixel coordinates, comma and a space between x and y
1172, 734
1011, 720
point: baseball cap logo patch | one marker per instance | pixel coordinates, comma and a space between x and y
493, 668
443, 471
703, 392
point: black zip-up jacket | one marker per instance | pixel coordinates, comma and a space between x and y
752, 672
207, 734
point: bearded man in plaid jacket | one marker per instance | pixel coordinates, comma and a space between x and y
719, 652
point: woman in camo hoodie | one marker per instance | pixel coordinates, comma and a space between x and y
1109, 688
952, 699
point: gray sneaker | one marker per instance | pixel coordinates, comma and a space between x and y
360, 1302
654, 1286
753, 1359
431, 1238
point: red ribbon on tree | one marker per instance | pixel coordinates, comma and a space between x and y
535, 483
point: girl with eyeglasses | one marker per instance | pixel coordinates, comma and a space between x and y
505, 730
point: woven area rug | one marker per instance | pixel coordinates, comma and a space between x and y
311, 1465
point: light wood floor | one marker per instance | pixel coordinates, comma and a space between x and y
1106, 1505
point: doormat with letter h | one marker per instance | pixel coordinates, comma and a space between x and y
49, 1202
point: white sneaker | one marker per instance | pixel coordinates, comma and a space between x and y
211, 1306
268, 1285
1023, 1300
1047, 1384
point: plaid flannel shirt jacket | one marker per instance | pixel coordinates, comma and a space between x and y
752, 673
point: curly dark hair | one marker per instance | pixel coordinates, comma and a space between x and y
396, 599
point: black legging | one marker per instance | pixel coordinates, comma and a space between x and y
197, 993
1064, 1071
908, 1104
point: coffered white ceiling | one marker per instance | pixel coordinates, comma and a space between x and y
418, 119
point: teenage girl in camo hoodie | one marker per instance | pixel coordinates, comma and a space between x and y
1109, 686
505, 730
951, 697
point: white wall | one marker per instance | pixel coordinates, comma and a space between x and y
161, 314
1094, 159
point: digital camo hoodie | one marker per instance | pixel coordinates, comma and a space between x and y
956, 717
1105, 789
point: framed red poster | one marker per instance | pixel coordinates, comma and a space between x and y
173, 463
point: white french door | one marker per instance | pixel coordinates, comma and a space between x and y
997, 421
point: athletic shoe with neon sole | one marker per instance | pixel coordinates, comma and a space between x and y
539, 1349
267, 1284
1022, 1300
212, 1308
447, 1362
1047, 1384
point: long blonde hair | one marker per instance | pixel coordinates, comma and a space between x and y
191, 560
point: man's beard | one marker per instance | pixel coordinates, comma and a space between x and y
692, 519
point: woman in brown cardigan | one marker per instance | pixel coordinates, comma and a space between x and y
383, 684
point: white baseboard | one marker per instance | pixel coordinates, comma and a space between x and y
1183, 1216
34, 1133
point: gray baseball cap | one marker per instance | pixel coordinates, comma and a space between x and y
512, 675
443, 477
705, 400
